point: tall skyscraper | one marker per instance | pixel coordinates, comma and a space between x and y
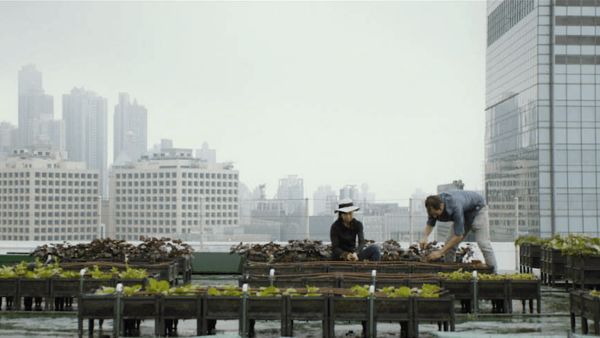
324, 201
206, 154
37, 126
542, 118
291, 190
8, 138
130, 130
85, 118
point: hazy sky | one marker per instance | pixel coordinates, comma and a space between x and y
387, 93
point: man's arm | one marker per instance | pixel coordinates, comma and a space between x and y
428, 229
454, 241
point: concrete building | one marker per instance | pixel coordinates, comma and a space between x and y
8, 138
130, 133
324, 201
43, 197
291, 191
173, 194
85, 117
206, 154
37, 127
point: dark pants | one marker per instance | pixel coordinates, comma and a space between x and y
370, 252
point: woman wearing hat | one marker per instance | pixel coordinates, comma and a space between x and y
344, 233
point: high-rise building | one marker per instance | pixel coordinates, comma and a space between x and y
207, 154
324, 201
173, 194
45, 198
37, 127
85, 118
8, 138
291, 191
130, 130
542, 98
351, 192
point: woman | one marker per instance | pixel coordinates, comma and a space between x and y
344, 232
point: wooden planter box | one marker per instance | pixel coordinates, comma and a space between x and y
348, 308
492, 289
582, 304
34, 287
523, 258
9, 287
321, 268
307, 308
181, 307
341, 268
64, 287
91, 285
460, 289
396, 268
496, 291
439, 310
525, 290
266, 308
96, 306
584, 270
553, 264
221, 307
590, 311
140, 307
534, 256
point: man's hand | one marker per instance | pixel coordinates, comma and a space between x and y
434, 256
351, 256
423, 243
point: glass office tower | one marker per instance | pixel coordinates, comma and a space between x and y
542, 116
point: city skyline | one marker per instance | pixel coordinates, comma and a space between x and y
229, 97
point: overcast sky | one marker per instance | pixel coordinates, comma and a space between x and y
389, 93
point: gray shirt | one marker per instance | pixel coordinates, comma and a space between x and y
460, 207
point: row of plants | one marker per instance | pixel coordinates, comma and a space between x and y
571, 245
155, 287
150, 250
38, 270
426, 291
465, 275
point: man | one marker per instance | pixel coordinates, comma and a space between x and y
468, 212
344, 233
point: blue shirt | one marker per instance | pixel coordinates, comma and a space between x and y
460, 207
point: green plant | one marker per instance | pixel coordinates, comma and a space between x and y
106, 290
157, 287
269, 291
131, 273
228, 291
529, 239
456, 275
131, 290
96, 273
359, 291
430, 291
69, 274
185, 290
7, 272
